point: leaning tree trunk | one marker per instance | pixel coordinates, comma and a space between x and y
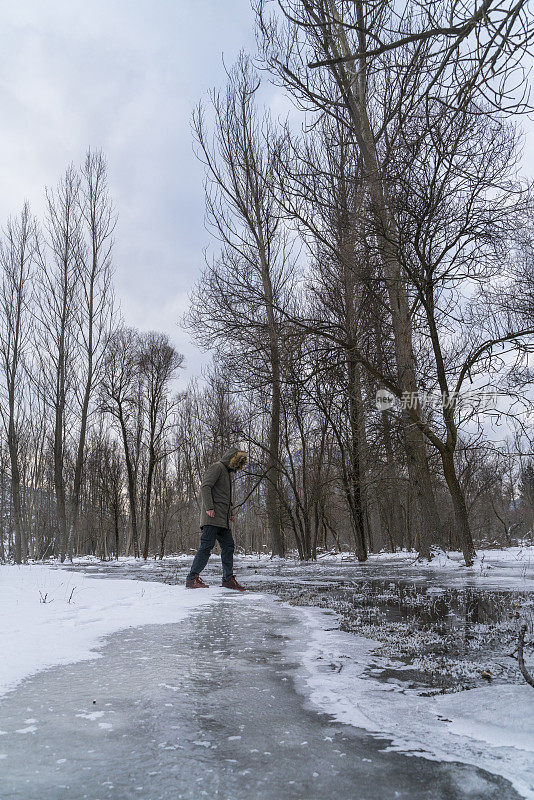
460, 508
521, 656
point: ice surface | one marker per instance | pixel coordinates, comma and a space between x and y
205, 708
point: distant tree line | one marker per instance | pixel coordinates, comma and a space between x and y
380, 240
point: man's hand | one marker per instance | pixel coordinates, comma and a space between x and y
232, 519
210, 513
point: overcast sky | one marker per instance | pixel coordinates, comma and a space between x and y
121, 75
124, 76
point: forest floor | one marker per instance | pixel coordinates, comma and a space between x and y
227, 703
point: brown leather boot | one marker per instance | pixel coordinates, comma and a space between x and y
231, 583
196, 582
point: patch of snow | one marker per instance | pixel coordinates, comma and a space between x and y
93, 716
29, 729
36, 635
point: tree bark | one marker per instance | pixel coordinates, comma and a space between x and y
21, 545
116, 524
59, 478
460, 508
149, 479
272, 503
132, 495
354, 94
355, 413
78, 469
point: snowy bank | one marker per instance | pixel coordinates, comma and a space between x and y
51, 616
491, 727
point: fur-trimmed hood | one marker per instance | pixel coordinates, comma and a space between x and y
234, 458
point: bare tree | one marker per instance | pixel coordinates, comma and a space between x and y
57, 304
322, 25
238, 299
158, 362
17, 253
380, 73
321, 190
95, 310
117, 392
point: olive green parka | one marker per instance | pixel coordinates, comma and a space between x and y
216, 488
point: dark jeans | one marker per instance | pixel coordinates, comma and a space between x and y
210, 533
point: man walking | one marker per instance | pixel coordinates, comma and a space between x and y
216, 518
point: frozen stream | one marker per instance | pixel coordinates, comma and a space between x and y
206, 708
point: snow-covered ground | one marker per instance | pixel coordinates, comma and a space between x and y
51, 616
54, 616
490, 727
511, 568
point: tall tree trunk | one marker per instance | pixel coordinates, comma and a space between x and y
59, 478
394, 523
21, 545
460, 508
132, 495
355, 413
116, 523
369, 505
272, 502
78, 468
15, 257
59, 486
420, 478
354, 93
149, 478
2, 519
356, 421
